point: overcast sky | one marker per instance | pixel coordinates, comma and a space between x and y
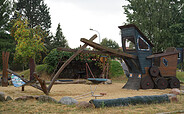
78, 16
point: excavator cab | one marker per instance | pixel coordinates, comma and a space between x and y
134, 42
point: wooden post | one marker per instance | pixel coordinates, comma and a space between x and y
23, 85
32, 68
103, 72
5, 57
68, 61
107, 71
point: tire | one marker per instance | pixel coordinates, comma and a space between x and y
174, 82
161, 83
154, 71
147, 83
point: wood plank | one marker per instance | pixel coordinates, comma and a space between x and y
86, 51
113, 51
68, 61
33, 85
162, 54
42, 83
72, 82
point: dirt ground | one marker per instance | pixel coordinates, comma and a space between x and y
113, 90
58, 91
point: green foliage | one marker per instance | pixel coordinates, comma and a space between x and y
59, 40
37, 13
7, 42
116, 69
109, 43
157, 19
180, 76
5, 12
29, 40
40, 69
54, 57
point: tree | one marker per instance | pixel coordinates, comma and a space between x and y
109, 43
37, 13
155, 18
59, 39
7, 43
29, 42
177, 28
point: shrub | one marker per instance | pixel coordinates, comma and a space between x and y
180, 76
116, 69
54, 57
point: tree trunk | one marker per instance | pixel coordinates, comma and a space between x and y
32, 68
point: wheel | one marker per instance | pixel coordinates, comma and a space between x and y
174, 82
161, 83
147, 83
154, 71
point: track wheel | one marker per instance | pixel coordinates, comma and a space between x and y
154, 71
161, 83
147, 83
174, 82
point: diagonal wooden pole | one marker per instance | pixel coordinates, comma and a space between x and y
42, 83
33, 85
68, 61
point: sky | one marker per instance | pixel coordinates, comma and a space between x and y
77, 17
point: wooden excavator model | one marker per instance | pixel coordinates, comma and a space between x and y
147, 70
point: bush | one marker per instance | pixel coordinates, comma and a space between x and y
116, 69
55, 57
180, 76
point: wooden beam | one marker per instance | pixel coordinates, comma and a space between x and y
33, 85
113, 51
42, 83
162, 54
86, 51
68, 61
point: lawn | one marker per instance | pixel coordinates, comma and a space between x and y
58, 91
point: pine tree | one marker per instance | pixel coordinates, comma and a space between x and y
59, 39
37, 13
7, 42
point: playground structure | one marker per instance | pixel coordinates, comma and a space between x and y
147, 70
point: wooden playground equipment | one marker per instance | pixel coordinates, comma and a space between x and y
5, 58
147, 70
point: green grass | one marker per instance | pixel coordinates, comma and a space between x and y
40, 69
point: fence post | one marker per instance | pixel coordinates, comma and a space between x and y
23, 85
